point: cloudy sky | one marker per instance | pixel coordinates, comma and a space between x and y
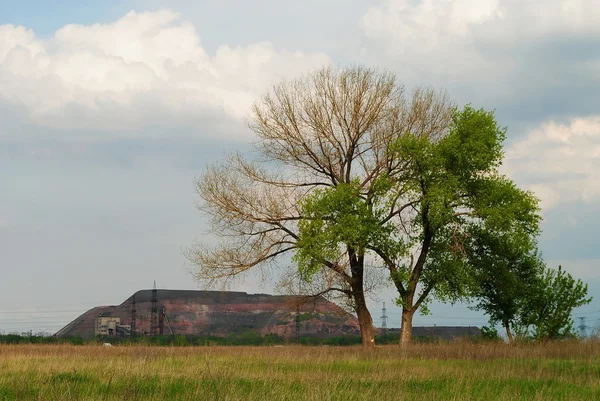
109, 109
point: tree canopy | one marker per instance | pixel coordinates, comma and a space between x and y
355, 176
419, 221
323, 144
506, 269
546, 312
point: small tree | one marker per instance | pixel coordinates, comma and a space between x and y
505, 270
546, 314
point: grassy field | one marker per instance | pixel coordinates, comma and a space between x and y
460, 371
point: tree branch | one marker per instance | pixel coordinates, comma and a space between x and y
423, 296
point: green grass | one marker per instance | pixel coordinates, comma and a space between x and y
460, 371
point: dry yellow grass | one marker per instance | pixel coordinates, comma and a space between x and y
457, 371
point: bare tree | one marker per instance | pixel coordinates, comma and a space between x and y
327, 130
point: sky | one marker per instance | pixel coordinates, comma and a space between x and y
110, 109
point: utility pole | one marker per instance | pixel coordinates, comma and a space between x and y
133, 318
582, 327
154, 312
384, 318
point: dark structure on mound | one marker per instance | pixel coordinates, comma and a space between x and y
216, 313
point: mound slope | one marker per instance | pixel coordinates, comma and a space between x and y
220, 313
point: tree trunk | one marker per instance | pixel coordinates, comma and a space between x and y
366, 324
406, 327
365, 321
409, 306
508, 332
364, 316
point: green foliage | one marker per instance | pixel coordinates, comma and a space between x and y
455, 203
38, 339
514, 288
456, 188
546, 315
505, 268
336, 218
180, 341
474, 143
489, 334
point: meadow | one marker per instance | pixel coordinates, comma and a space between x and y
452, 371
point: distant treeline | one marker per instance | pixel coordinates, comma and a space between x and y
247, 338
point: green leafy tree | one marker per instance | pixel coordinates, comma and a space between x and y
489, 334
417, 221
546, 314
450, 189
505, 268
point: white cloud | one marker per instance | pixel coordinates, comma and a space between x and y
427, 23
124, 74
431, 30
559, 162
532, 58
455, 30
